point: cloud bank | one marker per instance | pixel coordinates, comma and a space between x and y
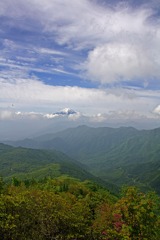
25, 94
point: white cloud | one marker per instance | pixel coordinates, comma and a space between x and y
84, 22
29, 90
11, 114
28, 95
123, 42
98, 118
122, 62
50, 116
75, 117
16, 69
28, 115
157, 110
5, 114
49, 51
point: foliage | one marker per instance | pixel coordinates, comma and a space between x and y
133, 217
66, 209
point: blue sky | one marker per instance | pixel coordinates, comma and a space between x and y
100, 58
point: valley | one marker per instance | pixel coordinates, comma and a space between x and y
118, 156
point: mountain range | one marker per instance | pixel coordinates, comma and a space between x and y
26, 163
122, 155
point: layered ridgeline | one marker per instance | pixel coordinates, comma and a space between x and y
26, 163
120, 155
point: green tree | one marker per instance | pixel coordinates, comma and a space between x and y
135, 216
140, 213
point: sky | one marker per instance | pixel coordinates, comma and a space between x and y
82, 61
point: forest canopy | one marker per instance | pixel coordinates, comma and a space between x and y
67, 209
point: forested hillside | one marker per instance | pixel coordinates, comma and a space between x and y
118, 155
81, 141
45, 194
25, 163
67, 209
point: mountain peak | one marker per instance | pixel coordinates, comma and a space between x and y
66, 111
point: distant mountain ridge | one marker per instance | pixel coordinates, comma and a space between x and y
122, 155
82, 140
26, 163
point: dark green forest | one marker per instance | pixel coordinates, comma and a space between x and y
66, 208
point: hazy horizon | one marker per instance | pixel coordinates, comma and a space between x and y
20, 130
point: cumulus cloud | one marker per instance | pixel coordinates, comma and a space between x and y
122, 62
124, 42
